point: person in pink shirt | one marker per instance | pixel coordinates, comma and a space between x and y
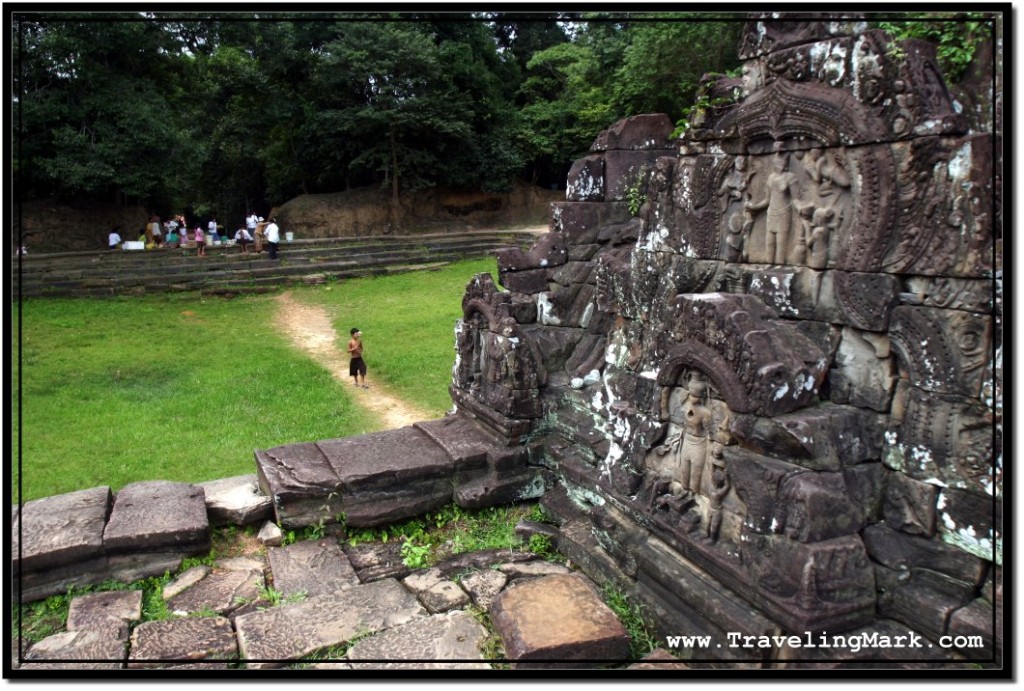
200, 242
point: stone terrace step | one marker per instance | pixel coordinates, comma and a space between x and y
116, 273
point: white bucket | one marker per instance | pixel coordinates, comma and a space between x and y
289, 236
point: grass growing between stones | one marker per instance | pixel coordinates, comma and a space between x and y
169, 387
408, 324
631, 614
453, 530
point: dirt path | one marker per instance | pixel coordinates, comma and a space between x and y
311, 331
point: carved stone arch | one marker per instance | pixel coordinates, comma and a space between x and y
797, 116
713, 365
479, 306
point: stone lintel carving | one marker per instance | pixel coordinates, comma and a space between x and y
758, 363
823, 437
549, 251
944, 224
944, 440
945, 351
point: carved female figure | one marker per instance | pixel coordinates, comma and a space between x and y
782, 198
689, 446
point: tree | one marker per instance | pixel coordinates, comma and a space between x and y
96, 117
393, 97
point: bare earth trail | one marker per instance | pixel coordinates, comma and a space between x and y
310, 330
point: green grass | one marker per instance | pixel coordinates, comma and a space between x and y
162, 388
183, 388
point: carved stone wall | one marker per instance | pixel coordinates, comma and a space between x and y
773, 397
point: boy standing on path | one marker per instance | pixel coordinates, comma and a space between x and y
357, 368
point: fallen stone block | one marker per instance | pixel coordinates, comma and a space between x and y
484, 586
221, 591
236, 501
558, 622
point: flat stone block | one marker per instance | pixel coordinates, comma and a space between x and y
453, 636
60, 530
463, 440
532, 569
95, 610
484, 586
272, 637
556, 620
220, 591
313, 567
659, 659
236, 501
376, 560
159, 643
444, 597
154, 515
99, 648
385, 459
300, 482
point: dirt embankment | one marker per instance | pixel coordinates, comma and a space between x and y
51, 226
367, 211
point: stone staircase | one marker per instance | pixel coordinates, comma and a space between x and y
226, 268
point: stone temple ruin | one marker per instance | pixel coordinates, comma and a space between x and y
767, 403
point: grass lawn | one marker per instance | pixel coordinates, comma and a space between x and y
178, 387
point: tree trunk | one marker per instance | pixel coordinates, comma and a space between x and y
394, 178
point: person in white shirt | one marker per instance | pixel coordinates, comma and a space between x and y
251, 221
114, 239
211, 228
243, 238
273, 235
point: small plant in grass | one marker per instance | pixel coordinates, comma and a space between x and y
541, 546
274, 597
415, 556
642, 640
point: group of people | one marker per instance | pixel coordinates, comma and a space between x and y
174, 233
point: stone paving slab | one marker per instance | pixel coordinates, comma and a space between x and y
660, 659
221, 591
443, 637
313, 567
273, 637
484, 586
556, 620
104, 647
59, 530
183, 641
376, 561
151, 516
236, 501
185, 580
532, 569
96, 610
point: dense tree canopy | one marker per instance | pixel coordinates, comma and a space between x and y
238, 112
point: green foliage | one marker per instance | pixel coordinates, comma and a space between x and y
541, 546
956, 36
415, 556
636, 194
642, 639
